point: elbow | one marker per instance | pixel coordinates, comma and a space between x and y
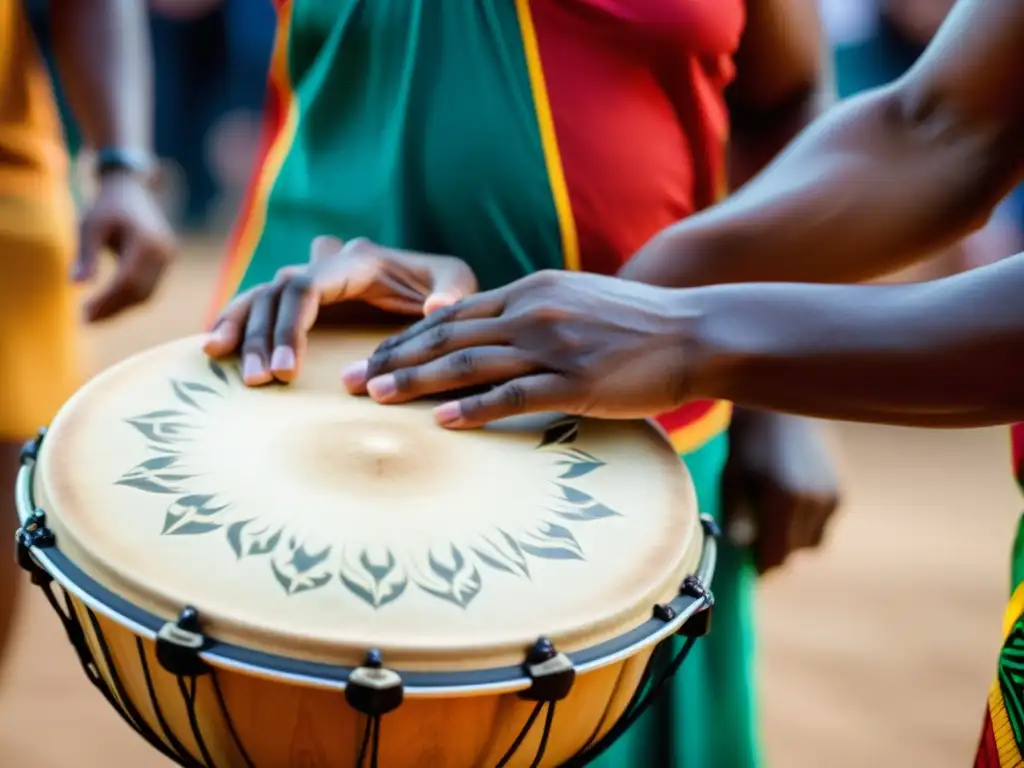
983, 154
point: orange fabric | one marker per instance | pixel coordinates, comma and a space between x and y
33, 159
38, 305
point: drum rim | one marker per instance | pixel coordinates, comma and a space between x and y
145, 624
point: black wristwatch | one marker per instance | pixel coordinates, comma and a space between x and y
117, 159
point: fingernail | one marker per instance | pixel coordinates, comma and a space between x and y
436, 301
283, 359
381, 387
217, 336
252, 367
448, 414
354, 376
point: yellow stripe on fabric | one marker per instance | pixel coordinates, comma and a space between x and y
252, 227
1006, 741
1014, 610
548, 138
711, 424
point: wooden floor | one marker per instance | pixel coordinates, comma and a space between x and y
876, 652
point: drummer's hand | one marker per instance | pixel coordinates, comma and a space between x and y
553, 341
779, 487
126, 219
269, 324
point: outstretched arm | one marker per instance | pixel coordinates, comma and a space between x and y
880, 180
948, 353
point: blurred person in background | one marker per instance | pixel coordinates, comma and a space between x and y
210, 61
877, 41
522, 135
103, 49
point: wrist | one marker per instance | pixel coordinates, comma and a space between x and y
708, 353
119, 163
742, 338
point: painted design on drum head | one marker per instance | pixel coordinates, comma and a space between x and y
375, 575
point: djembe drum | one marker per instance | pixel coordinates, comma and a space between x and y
292, 576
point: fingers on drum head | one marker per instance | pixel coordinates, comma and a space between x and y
434, 342
530, 394
456, 370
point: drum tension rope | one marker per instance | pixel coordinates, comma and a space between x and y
373, 691
179, 645
35, 534
176, 647
551, 676
651, 684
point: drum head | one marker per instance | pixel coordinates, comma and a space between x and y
305, 522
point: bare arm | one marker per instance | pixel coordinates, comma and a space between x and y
103, 50
948, 353
881, 180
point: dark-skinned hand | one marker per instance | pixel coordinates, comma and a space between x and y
126, 219
779, 488
270, 323
554, 341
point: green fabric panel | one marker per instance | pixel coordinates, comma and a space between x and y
417, 129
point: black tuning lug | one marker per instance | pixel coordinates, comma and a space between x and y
710, 526
33, 533
551, 673
179, 645
699, 624
373, 690
30, 450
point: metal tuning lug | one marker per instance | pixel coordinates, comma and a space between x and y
373, 690
30, 450
699, 624
179, 644
551, 673
34, 533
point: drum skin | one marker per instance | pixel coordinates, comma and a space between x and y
306, 524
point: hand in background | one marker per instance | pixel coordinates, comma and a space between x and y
270, 323
125, 218
780, 488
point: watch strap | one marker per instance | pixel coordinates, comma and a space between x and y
115, 159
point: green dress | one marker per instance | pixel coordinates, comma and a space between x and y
519, 135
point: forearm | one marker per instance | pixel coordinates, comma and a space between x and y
103, 52
944, 354
874, 185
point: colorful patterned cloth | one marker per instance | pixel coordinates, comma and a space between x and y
1002, 738
519, 135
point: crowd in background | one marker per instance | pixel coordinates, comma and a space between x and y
211, 59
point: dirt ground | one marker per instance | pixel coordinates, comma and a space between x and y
876, 651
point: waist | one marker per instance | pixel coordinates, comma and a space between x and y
694, 424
